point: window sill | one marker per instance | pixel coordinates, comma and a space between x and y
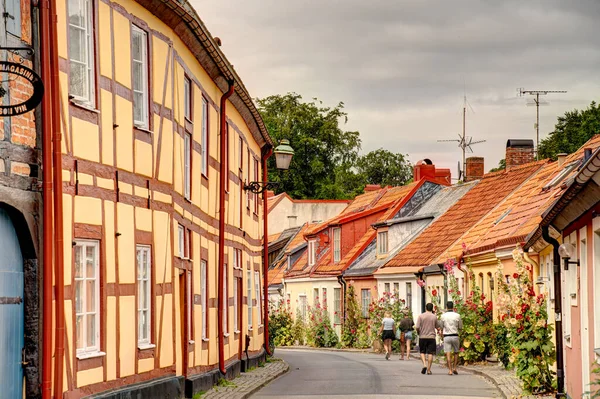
250, 329
82, 356
143, 129
191, 342
143, 347
226, 335
87, 107
205, 339
260, 325
237, 332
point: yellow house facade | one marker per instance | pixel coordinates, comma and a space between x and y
143, 92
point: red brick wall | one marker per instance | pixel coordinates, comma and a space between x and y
474, 168
519, 155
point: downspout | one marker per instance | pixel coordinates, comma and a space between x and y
342, 282
59, 266
47, 200
423, 299
560, 374
532, 262
266, 153
223, 174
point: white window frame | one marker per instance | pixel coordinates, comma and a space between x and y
337, 306
312, 255
386, 287
204, 299
144, 332
236, 328
382, 242
88, 95
365, 301
88, 348
409, 295
257, 295
337, 244
225, 302
187, 165
249, 294
204, 144
143, 37
396, 289
181, 240
303, 306
187, 97
189, 303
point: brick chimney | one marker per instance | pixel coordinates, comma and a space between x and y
372, 187
426, 169
474, 168
519, 152
270, 193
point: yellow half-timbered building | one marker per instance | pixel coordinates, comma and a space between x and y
142, 89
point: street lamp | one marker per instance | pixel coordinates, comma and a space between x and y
283, 157
566, 251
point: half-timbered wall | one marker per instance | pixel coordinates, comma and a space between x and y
124, 189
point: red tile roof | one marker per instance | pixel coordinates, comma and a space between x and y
449, 227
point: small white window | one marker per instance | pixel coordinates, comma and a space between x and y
396, 288
188, 305
249, 294
324, 298
187, 98
204, 137
365, 297
337, 232
237, 258
204, 299
144, 291
181, 241
409, 295
81, 51
337, 305
187, 167
382, 243
139, 58
225, 300
87, 296
312, 252
257, 293
235, 305
386, 288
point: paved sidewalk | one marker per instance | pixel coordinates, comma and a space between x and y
506, 381
248, 383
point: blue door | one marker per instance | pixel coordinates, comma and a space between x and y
11, 310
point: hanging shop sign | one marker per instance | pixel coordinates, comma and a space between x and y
15, 72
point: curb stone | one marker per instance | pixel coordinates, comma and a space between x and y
487, 377
267, 381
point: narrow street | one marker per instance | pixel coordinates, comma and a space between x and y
326, 374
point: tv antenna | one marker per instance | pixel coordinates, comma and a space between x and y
464, 142
536, 101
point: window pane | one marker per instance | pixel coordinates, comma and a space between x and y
145, 295
78, 262
77, 43
76, 16
90, 296
90, 261
78, 296
77, 79
79, 332
91, 330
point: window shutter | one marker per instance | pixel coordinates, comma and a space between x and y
13, 16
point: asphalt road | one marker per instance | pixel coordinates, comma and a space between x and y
323, 374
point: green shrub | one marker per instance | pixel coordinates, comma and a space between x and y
281, 325
319, 332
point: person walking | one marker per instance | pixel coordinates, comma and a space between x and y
426, 323
387, 333
406, 329
451, 324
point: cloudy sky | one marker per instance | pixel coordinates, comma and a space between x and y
401, 67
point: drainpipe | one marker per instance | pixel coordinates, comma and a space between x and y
532, 262
558, 331
223, 174
266, 153
47, 200
423, 299
342, 282
59, 266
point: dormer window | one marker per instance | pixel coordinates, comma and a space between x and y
337, 245
312, 252
382, 243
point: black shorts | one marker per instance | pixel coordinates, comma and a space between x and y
427, 346
388, 334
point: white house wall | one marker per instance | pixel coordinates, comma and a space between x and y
287, 214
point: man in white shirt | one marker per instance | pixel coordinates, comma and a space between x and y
451, 324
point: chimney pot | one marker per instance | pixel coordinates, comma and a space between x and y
562, 157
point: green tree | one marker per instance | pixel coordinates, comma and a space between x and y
501, 166
571, 131
324, 152
385, 168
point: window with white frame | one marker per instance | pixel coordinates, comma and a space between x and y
189, 303
386, 288
315, 296
139, 64
87, 296
409, 295
324, 298
249, 294
337, 245
312, 252
204, 299
144, 282
187, 165
365, 301
248, 193
181, 240
257, 292
187, 98
237, 258
204, 145
256, 179
397, 288
337, 305
382, 243
303, 306
81, 51
225, 300
236, 328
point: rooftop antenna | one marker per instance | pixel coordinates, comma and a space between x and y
536, 101
464, 142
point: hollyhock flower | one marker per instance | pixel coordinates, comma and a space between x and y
434, 293
515, 275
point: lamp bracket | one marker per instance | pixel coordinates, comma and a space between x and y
258, 187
